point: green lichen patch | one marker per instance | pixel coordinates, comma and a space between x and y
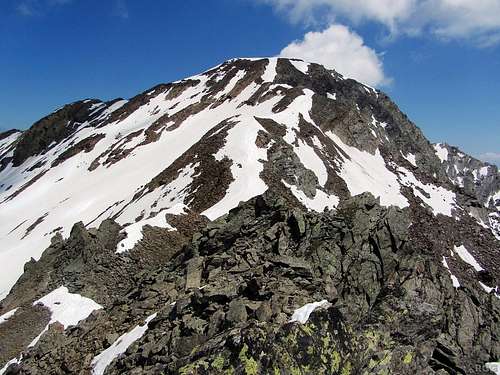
249, 364
408, 358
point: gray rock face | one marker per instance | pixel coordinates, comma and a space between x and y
476, 178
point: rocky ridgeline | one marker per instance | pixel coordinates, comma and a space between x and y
223, 301
211, 211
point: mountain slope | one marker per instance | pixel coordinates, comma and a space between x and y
150, 171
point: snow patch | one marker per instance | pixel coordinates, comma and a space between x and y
488, 289
247, 165
300, 65
302, 314
483, 171
318, 203
441, 152
270, 72
232, 84
101, 361
494, 219
7, 141
66, 308
134, 231
12, 361
439, 199
467, 257
316, 142
7, 315
494, 367
411, 158
480, 173
364, 172
332, 96
493, 198
311, 161
454, 280
375, 122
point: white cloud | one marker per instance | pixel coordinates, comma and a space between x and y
341, 49
478, 20
461, 18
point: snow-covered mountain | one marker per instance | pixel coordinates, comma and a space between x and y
208, 142
164, 163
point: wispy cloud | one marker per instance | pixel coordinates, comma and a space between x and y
29, 8
475, 20
25, 9
59, 2
121, 9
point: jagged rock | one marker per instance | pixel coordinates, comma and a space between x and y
264, 312
237, 312
193, 273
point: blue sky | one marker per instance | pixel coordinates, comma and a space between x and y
442, 70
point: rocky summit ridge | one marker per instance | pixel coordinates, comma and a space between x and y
267, 216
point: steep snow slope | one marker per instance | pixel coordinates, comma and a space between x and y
206, 143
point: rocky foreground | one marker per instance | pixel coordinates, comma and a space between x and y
223, 302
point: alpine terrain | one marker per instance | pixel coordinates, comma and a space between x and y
267, 216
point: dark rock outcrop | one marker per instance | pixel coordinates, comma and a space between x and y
52, 129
